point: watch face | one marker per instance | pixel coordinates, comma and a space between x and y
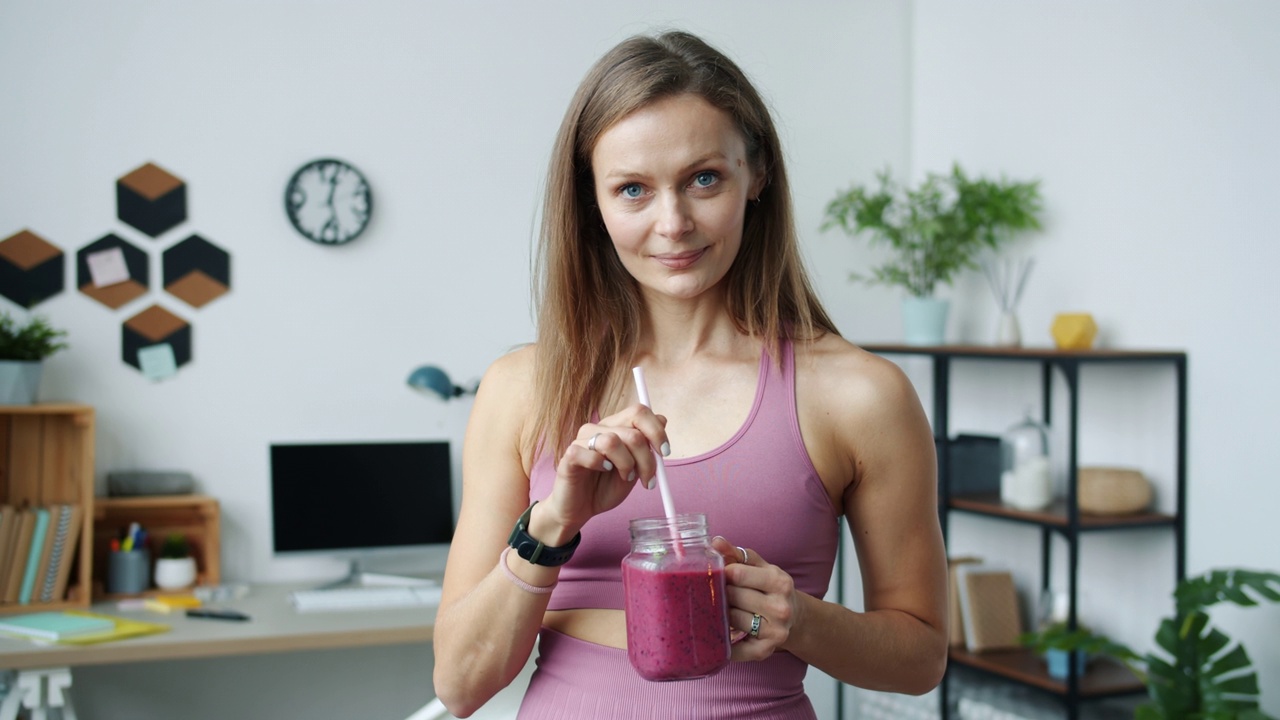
328, 201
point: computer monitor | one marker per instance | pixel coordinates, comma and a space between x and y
361, 499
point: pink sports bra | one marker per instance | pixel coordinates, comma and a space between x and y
759, 490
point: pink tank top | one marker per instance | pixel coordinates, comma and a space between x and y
759, 490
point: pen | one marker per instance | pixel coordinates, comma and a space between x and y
213, 614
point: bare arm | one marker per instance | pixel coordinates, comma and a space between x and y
487, 624
875, 435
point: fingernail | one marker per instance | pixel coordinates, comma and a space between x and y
736, 636
665, 449
608, 465
648, 484
718, 537
631, 476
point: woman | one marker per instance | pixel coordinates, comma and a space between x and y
668, 243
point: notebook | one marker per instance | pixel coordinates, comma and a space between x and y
989, 606
54, 625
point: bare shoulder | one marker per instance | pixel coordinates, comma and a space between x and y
856, 410
849, 382
500, 412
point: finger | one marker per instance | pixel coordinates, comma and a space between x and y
578, 454
731, 553
653, 427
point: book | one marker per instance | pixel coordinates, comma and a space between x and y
121, 628
54, 625
18, 557
33, 555
56, 551
9, 522
46, 553
68, 557
955, 620
989, 608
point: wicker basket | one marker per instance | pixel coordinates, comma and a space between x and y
1112, 491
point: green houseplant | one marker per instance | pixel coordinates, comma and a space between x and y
175, 568
23, 349
1201, 674
935, 229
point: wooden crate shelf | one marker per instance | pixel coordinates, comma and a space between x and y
46, 458
196, 517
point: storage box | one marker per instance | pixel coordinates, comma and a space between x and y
974, 464
196, 517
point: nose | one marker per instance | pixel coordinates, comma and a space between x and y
674, 219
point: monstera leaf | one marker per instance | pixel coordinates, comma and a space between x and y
1202, 674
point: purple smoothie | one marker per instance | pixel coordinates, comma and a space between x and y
677, 620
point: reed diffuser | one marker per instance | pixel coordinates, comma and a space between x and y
1007, 279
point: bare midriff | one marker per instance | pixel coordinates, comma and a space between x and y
595, 625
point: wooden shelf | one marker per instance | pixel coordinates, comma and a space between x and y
1103, 677
1056, 514
1024, 353
196, 517
46, 458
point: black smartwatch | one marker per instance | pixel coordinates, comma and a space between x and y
533, 550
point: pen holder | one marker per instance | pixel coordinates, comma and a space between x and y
129, 571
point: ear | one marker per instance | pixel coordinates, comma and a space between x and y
759, 182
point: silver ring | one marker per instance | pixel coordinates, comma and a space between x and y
745, 557
755, 625
591, 444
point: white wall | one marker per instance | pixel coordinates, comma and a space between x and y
449, 110
1153, 128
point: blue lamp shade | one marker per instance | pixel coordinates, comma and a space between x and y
433, 380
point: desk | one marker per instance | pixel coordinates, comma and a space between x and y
274, 627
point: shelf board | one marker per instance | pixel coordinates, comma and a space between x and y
1056, 514
1024, 353
1103, 677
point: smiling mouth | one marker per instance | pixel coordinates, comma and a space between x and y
680, 261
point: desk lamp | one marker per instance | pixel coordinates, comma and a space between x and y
430, 378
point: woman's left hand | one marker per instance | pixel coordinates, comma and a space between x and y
756, 588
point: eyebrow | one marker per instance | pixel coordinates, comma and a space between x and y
702, 160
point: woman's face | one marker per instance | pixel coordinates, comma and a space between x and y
672, 181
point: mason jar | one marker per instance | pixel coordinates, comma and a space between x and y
673, 584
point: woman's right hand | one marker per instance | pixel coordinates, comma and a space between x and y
600, 467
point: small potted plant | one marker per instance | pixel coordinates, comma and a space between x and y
22, 353
175, 568
934, 230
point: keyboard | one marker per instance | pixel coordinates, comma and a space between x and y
365, 598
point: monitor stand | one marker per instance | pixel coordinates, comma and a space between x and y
356, 577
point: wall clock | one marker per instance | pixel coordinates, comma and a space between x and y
328, 201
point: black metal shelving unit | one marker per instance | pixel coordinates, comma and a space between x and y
1103, 678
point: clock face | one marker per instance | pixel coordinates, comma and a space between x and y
328, 201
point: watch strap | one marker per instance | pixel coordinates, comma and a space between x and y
533, 550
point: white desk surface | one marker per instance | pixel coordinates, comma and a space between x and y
274, 626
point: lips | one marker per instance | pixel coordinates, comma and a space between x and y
680, 261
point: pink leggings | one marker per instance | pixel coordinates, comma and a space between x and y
578, 679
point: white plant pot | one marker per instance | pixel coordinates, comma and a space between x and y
19, 380
924, 320
175, 573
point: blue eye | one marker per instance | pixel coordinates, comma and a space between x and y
705, 179
630, 191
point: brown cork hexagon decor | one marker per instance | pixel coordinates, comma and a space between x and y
153, 327
151, 199
196, 271
135, 276
32, 269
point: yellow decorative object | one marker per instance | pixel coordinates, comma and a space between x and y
1112, 491
1074, 331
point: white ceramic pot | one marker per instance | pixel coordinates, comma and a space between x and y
175, 573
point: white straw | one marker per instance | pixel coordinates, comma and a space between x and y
667, 505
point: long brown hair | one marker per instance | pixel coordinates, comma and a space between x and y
589, 306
